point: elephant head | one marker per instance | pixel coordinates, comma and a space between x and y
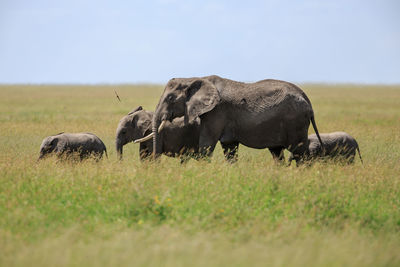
188, 97
133, 126
49, 145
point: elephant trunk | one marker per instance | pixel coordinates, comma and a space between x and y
157, 126
41, 155
118, 146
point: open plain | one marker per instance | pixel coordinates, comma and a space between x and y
202, 213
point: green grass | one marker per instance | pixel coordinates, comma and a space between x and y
201, 213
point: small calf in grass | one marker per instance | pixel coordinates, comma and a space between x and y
66, 144
337, 145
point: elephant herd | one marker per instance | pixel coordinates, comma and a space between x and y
193, 114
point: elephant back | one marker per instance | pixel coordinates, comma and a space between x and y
262, 95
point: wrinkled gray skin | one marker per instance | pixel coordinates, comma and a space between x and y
176, 138
267, 114
64, 144
337, 145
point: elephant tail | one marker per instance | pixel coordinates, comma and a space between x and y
105, 151
313, 120
359, 154
316, 130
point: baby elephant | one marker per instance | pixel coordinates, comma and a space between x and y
65, 144
337, 145
177, 139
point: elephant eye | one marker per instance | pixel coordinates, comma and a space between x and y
170, 98
181, 87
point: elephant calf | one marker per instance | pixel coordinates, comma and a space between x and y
337, 145
65, 144
177, 138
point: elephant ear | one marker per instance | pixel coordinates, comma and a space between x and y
53, 143
201, 97
145, 126
135, 109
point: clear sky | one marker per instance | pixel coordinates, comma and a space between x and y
95, 41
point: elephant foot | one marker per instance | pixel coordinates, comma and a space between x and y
230, 151
278, 155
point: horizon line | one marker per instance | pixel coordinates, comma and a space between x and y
161, 84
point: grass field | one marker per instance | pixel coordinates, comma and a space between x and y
252, 213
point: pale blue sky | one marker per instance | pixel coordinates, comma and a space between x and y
94, 41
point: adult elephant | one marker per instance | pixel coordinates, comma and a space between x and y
266, 114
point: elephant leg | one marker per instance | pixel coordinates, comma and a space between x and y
97, 156
210, 132
206, 146
83, 154
299, 148
277, 154
230, 151
144, 152
350, 157
207, 143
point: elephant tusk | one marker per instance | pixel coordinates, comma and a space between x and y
161, 126
150, 136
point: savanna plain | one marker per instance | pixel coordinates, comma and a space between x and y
201, 213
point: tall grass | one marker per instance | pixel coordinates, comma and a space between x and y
199, 213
